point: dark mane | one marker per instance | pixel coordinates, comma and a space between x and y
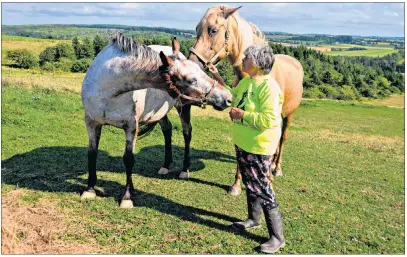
128, 45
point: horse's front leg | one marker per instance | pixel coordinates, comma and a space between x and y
235, 189
128, 159
94, 132
185, 115
166, 128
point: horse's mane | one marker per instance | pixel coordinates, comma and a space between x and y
246, 29
136, 49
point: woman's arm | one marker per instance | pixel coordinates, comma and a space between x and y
212, 69
270, 103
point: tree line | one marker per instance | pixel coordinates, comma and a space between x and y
334, 77
343, 77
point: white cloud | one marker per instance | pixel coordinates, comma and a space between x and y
352, 18
130, 5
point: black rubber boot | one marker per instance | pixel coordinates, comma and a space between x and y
274, 223
254, 210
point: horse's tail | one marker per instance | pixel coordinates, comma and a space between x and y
145, 129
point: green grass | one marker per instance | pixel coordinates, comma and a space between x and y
369, 52
372, 51
34, 45
342, 193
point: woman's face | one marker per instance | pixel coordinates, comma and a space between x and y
248, 66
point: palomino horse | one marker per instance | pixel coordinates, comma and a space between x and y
223, 33
111, 96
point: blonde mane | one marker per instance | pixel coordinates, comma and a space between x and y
246, 31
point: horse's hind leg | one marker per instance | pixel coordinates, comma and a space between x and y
279, 160
166, 128
128, 160
235, 189
94, 132
185, 115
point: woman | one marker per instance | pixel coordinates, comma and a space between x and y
256, 113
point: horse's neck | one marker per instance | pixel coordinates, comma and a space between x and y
248, 38
125, 74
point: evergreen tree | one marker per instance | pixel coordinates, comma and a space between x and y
98, 44
75, 46
87, 50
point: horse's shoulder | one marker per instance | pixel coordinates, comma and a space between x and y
286, 60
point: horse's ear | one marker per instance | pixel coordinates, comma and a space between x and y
167, 62
175, 46
230, 11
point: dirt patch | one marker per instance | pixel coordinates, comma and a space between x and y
37, 229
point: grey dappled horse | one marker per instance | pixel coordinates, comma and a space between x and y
111, 95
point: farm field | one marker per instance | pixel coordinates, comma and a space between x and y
342, 193
392, 101
372, 51
34, 45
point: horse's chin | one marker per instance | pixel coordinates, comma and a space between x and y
218, 108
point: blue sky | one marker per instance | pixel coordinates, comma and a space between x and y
365, 19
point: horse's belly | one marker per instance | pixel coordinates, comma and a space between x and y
146, 106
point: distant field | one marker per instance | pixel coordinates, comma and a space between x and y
372, 51
34, 45
39, 78
277, 37
392, 101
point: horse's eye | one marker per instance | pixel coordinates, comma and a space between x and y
191, 81
212, 32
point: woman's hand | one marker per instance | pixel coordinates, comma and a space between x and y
212, 69
236, 114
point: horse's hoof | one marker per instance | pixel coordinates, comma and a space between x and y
88, 195
126, 204
163, 171
235, 191
184, 174
273, 166
279, 173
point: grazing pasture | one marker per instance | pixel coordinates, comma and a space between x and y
34, 45
372, 51
342, 193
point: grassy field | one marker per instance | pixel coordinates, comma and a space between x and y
342, 193
392, 101
372, 51
34, 45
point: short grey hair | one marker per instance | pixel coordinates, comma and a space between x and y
262, 56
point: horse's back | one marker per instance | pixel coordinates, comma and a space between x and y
167, 50
289, 74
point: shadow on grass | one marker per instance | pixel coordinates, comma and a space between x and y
57, 169
147, 163
48, 168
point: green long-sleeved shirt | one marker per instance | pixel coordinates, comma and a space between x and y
260, 129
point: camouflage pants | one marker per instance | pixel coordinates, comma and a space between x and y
255, 170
